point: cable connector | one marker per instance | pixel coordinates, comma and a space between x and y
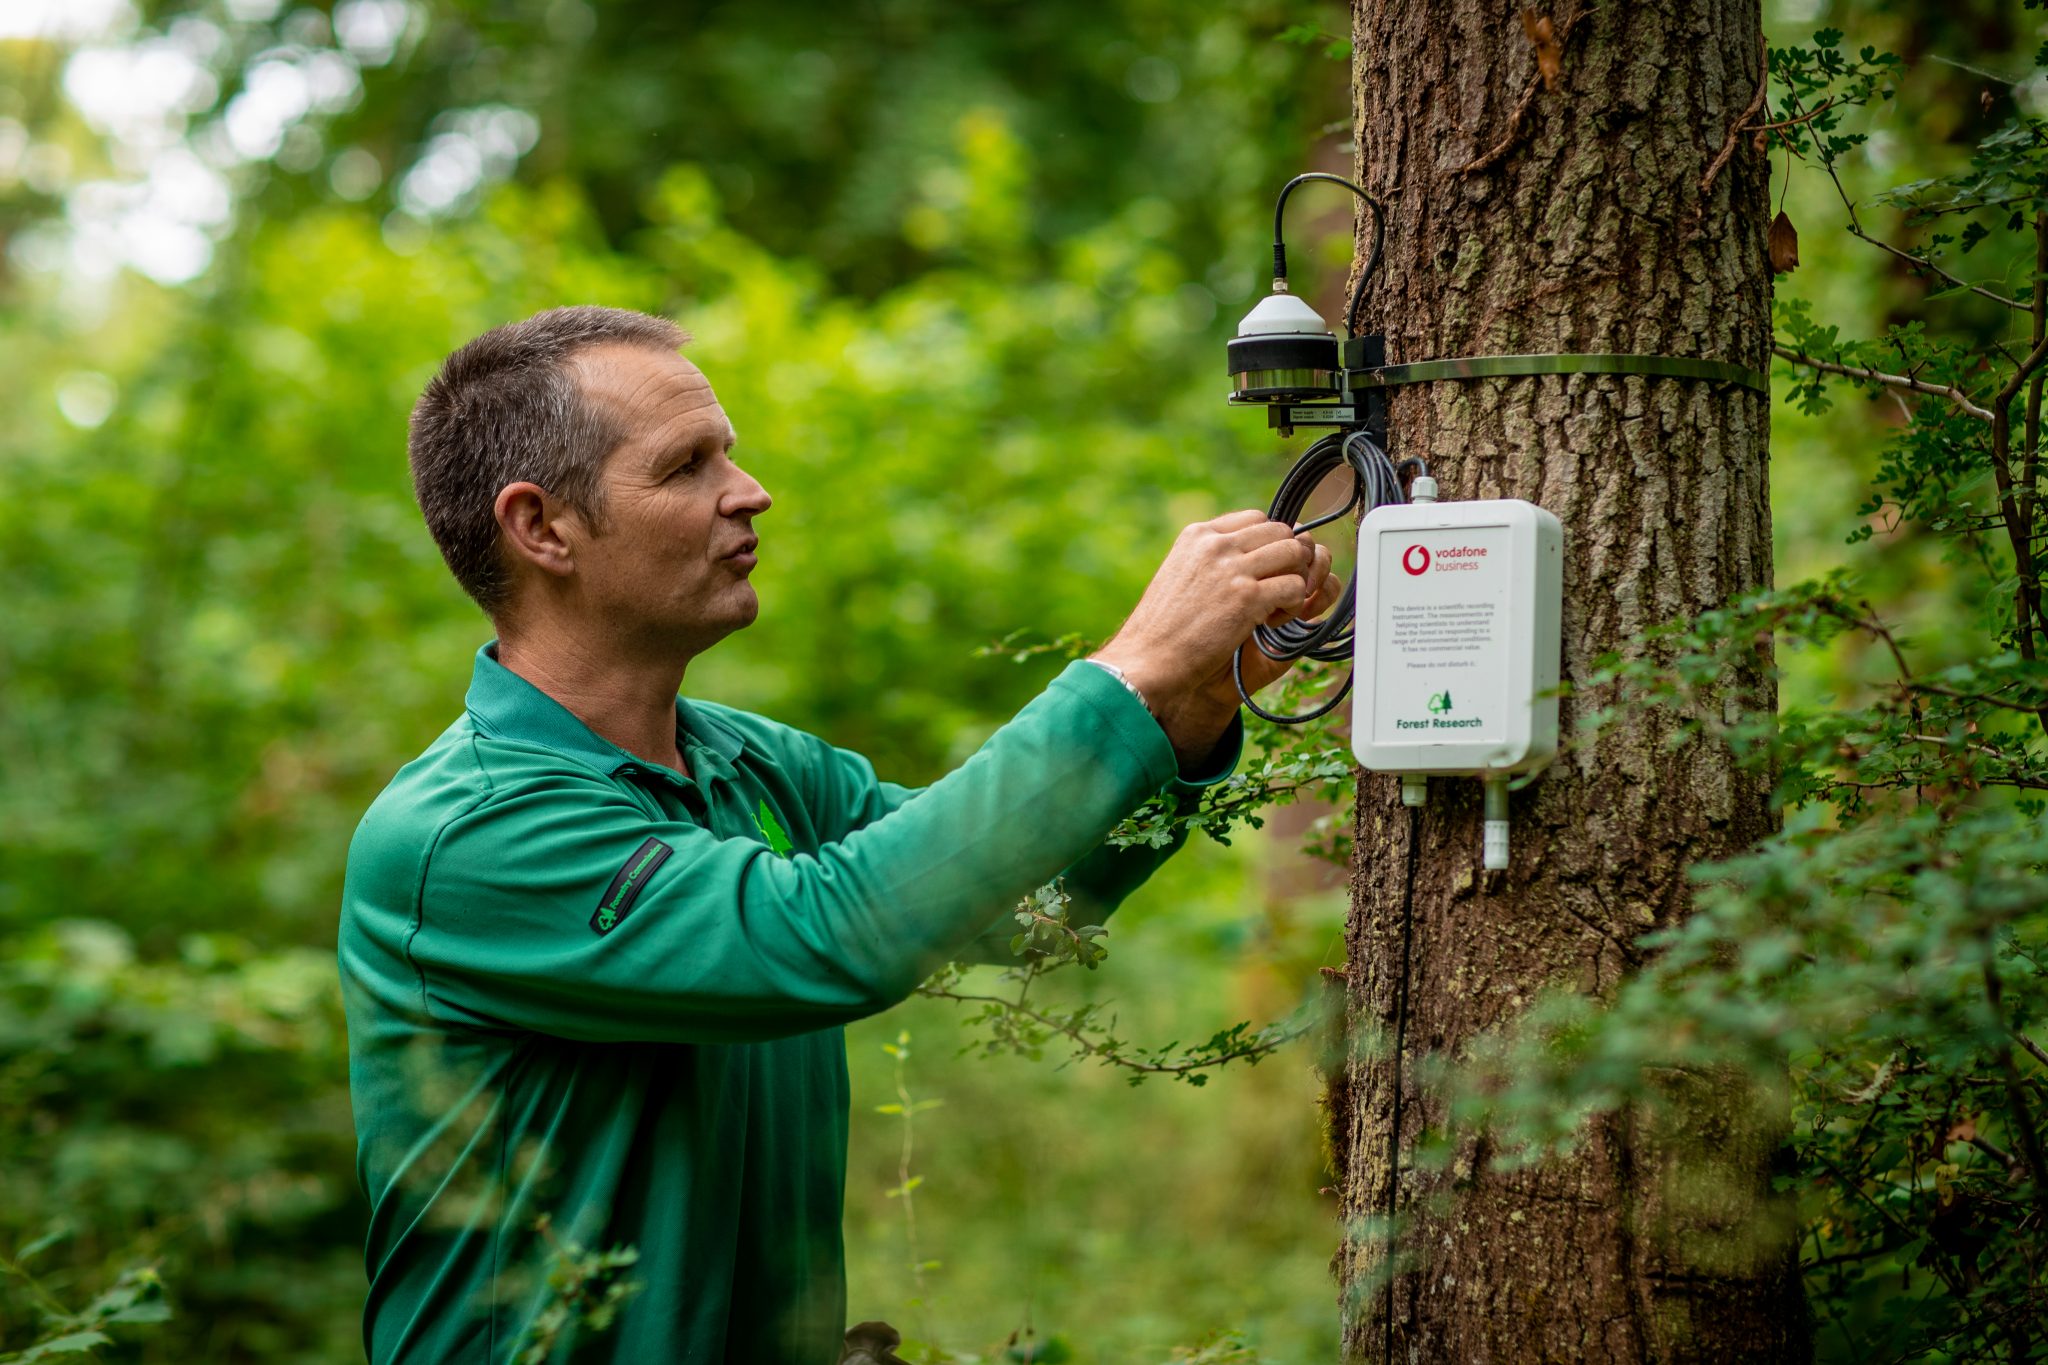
1496, 849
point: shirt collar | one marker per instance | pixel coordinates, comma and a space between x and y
509, 706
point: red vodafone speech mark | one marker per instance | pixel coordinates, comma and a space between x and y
1415, 560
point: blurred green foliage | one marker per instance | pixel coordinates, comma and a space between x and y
961, 275
965, 307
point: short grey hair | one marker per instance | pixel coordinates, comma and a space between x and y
508, 408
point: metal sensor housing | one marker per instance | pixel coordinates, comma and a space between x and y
1283, 353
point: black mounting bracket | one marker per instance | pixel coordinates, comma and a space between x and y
1365, 408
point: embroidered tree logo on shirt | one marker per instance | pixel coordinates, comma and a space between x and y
778, 840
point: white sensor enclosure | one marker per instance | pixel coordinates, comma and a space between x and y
1457, 638
1282, 314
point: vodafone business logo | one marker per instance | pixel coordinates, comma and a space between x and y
1417, 560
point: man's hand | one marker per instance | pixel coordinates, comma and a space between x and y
1221, 578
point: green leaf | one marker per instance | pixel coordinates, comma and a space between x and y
153, 1311
56, 1234
71, 1343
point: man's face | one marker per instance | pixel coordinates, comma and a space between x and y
672, 565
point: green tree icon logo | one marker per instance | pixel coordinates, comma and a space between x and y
772, 831
1439, 703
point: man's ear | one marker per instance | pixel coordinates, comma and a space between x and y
538, 529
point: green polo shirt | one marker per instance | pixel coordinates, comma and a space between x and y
582, 985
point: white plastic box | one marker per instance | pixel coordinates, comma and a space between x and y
1457, 631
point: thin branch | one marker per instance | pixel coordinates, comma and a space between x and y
1258, 1046
1938, 1265
2020, 1113
1840, 1326
2031, 1046
1985, 72
1902, 782
1929, 212
1955, 395
1922, 263
1981, 698
2027, 602
44, 1300
1513, 135
1500, 149
1785, 123
1763, 90
1898, 653
1884, 633
1807, 117
1845, 1257
1989, 751
1856, 230
2012, 1164
2030, 455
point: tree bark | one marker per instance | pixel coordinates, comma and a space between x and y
1523, 218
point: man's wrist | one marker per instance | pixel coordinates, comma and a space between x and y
1154, 686
1193, 720
1115, 671
1195, 728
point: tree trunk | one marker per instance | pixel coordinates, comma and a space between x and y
1532, 219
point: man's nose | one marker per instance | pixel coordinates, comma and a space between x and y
746, 497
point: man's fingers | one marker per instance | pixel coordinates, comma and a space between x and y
1319, 602
1325, 597
1328, 586
1319, 566
1247, 538
1282, 593
1237, 521
1278, 557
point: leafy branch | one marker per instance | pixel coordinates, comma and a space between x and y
584, 1291
137, 1297
1310, 35
906, 1108
1914, 732
1293, 764
1048, 941
1964, 403
1898, 913
1019, 647
1314, 771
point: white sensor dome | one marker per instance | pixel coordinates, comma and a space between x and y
1282, 314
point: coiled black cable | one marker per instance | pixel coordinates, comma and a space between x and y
1374, 481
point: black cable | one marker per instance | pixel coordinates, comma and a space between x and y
1379, 238
1375, 482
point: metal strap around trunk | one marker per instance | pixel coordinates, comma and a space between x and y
1509, 366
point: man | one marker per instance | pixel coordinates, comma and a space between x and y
597, 943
